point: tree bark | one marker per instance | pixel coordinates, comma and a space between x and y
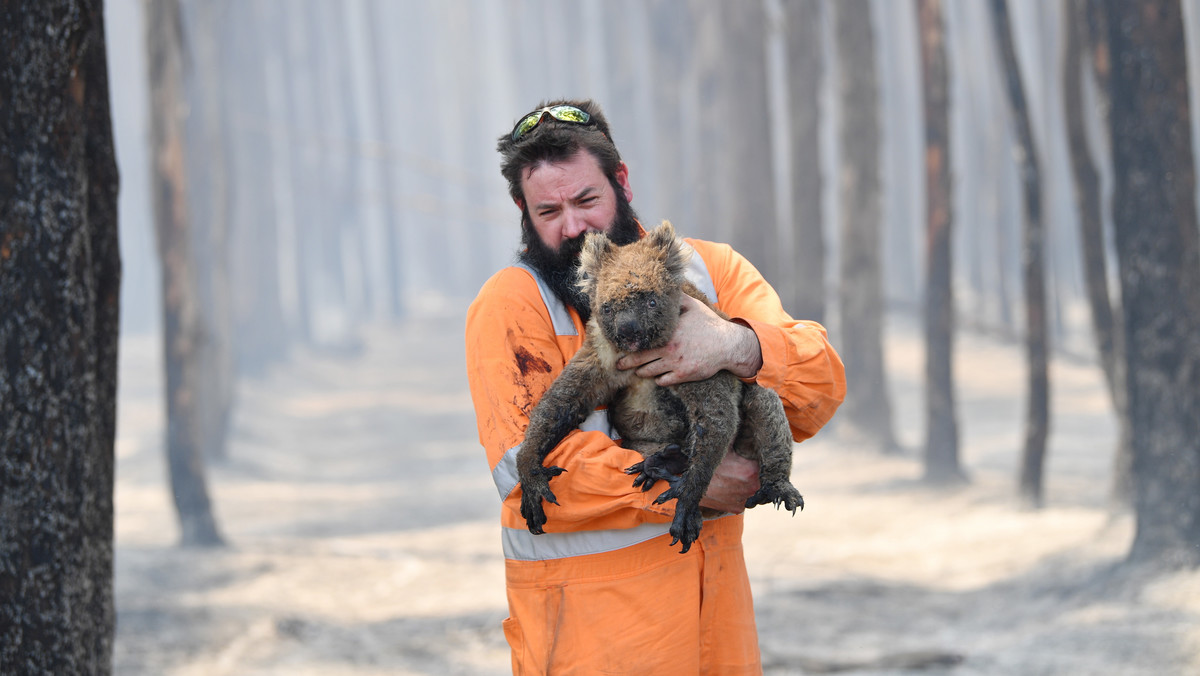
60, 275
182, 330
867, 412
1107, 324
941, 451
1158, 250
1033, 268
805, 63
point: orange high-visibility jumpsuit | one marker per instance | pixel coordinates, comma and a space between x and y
601, 592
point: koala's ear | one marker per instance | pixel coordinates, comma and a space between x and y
676, 252
597, 247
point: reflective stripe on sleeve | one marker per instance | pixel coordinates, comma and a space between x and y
697, 273
505, 473
559, 316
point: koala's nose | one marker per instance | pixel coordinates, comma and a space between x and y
628, 330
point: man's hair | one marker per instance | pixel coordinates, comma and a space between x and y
555, 141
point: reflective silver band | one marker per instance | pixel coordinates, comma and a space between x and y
521, 545
559, 316
505, 473
697, 273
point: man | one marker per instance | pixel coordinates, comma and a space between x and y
601, 591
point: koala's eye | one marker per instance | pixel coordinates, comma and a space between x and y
652, 303
608, 310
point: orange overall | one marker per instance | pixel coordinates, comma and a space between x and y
601, 592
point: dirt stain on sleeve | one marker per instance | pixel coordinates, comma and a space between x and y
527, 362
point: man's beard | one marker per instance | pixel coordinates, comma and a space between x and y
560, 269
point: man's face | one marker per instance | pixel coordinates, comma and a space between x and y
565, 200
552, 230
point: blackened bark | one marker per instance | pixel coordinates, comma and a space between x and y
1033, 268
1158, 249
181, 316
867, 412
941, 450
1105, 310
805, 62
59, 285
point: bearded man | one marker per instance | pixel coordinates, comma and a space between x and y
601, 591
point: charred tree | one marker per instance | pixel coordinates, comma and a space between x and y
60, 276
805, 61
182, 329
1158, 250
1033, 267
1105, 309
942, 464
867, 412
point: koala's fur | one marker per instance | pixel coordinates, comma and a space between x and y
635, 298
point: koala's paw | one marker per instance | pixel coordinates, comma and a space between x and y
662, 465
685, 527
533, 491
781, 493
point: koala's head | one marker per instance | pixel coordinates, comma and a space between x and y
635, 289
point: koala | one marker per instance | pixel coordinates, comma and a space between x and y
683, 431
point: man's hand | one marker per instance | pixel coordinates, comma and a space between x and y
735, 480
703, 344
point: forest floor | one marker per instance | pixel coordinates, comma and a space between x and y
363, 533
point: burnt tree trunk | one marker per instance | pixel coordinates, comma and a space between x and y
942, 464
1158, 249
60, 276
182, 330
1033, 268
867, 412
805, 62
1105, 310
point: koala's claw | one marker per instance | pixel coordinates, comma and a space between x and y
533, 491
782, 494
649, 473
685, 527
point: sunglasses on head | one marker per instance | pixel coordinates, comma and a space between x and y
560, 113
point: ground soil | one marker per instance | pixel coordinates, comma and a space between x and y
363, 536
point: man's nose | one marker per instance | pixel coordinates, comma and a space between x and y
574, 224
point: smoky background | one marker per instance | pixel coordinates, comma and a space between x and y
336, 183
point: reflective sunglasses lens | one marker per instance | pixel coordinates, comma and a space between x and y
569, 114
529, 122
